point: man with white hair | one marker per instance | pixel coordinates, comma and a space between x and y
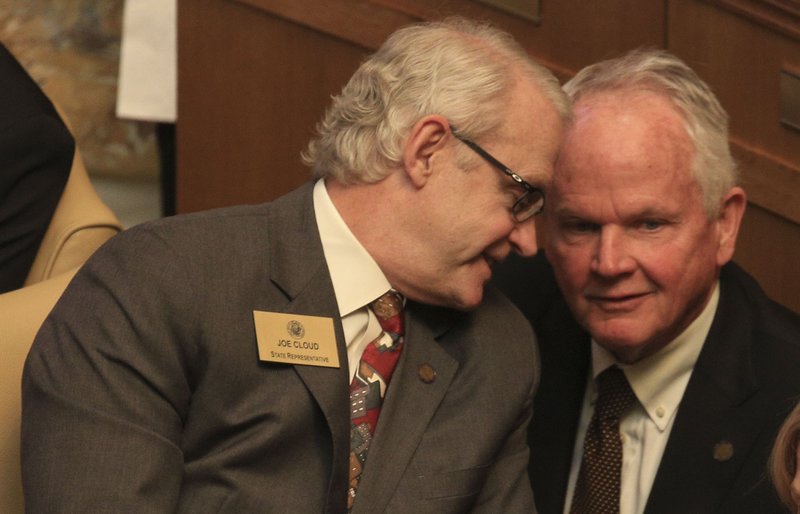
666, 371
238, 360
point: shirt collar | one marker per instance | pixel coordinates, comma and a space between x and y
660, 380
348, 261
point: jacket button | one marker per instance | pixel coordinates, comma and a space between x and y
426, 373
723, 451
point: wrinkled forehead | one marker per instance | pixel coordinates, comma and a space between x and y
531, 133
633, 108
623, 124
620, 130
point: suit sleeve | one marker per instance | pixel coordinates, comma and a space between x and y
107, 383
36, 155
507, 488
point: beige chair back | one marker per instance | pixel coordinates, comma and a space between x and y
21, 314
80, 224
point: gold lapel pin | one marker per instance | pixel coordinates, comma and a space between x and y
723, 451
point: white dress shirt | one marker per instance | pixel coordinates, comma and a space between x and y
659, 382
357, 279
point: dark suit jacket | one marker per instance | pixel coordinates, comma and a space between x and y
36, 152
144, 392
746, 379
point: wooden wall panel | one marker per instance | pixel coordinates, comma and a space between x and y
251, 89
570, 33
780, 16
741, 60
366, 23
769, 248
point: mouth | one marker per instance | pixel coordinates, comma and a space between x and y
617, 302
492, 260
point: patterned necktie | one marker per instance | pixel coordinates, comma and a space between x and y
370, 382
598, 486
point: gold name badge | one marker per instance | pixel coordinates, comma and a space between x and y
296, 339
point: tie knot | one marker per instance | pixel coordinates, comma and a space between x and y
614, 393
389, 311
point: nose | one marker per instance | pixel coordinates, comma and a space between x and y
612, 256
523, 238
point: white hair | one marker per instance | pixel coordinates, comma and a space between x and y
456, 68
705, 121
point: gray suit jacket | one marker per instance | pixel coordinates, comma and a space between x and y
144, 392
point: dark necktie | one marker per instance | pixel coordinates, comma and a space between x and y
598, 486
370, 382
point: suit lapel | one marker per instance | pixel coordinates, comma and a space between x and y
297, 267
329, 388
565, 358
716, 425
565, 354
409, 406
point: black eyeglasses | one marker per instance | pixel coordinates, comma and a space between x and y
526, 206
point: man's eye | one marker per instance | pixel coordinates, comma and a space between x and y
651, 225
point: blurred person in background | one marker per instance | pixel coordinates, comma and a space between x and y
36, 152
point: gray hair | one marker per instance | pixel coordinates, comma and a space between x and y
705, 121
456, 68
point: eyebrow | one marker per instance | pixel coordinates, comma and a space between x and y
646, 212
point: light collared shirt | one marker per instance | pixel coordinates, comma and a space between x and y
357, 279
659, 382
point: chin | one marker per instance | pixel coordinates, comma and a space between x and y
467, 306
627, 347
468, 300
459, 291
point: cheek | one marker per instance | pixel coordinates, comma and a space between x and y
571, 262
669, 266
485, 230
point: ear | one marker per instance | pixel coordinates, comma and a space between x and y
427, 137
728, 223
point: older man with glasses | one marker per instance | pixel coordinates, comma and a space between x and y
337, 349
